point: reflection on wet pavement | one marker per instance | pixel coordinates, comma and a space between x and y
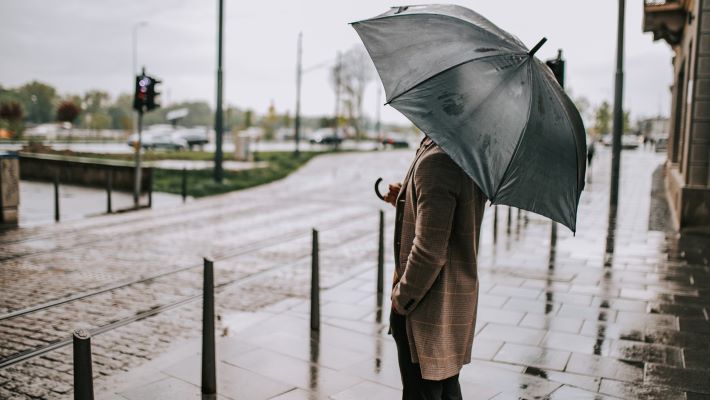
617, 311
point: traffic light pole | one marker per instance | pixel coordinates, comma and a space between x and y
138, 145
218, 172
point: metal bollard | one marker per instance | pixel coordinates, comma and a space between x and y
184, 184
510, 216
83, 376
150, 189
109, 188
381, 256
495, 224
209, 373
56, 197
315, 285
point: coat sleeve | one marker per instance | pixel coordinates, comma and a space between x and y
437, 182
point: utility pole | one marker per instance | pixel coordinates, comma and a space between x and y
218, 172
337, 94
618, 112
299, 73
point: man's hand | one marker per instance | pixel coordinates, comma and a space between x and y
391, 196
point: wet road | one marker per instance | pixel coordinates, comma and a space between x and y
618, 311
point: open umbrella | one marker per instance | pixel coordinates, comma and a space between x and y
494, 108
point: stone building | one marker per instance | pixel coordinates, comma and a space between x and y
685, 26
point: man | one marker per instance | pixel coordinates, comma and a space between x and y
435, 292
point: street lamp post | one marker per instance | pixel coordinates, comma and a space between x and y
618, 113
299, 73
218, 172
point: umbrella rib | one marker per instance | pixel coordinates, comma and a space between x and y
499, 35
574, 138
449, 69
520, 140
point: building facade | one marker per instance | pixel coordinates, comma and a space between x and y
685, 26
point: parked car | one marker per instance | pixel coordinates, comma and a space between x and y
394, 142
326, 136
193, 136
167, 141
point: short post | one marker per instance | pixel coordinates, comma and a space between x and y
209, 373
184, 184
495, 223
83, 376
381, 256
315, 285
150, 189
109, 188
510, 216
56, 197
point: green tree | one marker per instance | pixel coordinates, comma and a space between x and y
96, 100
98, 120
11, 117
602, 118
38, 100
121, 112
248, 119
68, 111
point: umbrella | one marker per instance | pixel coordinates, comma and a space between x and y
494, 108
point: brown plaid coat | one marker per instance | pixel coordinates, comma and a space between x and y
439, 213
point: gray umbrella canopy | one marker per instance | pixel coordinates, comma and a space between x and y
495, 109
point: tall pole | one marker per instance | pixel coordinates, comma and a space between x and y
618, 112
137, 156
139, 117
134, 68
218, 172
299, 73
337, 94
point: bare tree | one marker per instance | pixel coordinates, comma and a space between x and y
350, 76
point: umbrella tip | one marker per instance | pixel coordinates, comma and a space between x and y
537, 47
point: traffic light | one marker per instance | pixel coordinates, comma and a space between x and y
557, 65
145, 93
153, 94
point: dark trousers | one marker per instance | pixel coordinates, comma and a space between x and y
416, 387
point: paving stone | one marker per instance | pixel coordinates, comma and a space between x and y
628, 390
570, 392
548, 322
533, 356
513, 334
367, 390
570, 342
232, 382
293, 371
695, 380
605, 367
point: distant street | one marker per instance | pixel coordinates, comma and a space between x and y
228, 147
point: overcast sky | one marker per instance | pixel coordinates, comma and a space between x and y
77, 45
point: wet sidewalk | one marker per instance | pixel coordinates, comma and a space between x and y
618, 311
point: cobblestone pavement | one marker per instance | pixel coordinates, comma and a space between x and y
619, 311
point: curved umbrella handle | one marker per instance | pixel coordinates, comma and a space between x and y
377, 189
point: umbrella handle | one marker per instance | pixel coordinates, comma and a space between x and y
377, 189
